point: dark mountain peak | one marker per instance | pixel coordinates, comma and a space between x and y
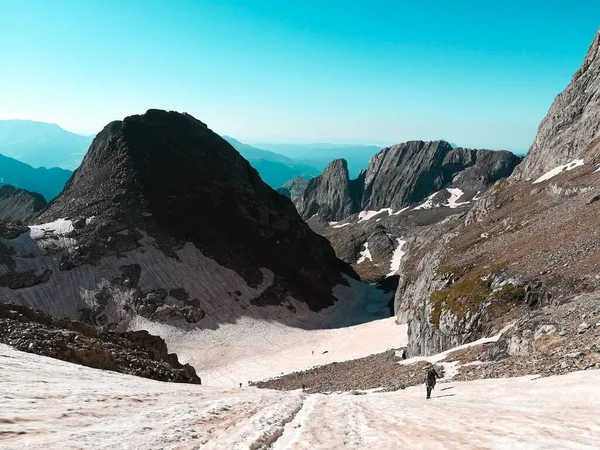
169, 175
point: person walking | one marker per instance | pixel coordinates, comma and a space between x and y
431, 379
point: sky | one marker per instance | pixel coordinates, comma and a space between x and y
481, 74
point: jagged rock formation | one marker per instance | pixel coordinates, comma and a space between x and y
164, 221
332, 195
527, 243
572, 123
402, 175
135, 353
19, 205
294, 189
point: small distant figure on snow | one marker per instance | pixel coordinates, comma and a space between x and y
430, 379
313, 352
240, 385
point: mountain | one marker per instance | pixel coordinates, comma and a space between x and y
19, 205
164, 220
320, 155
274, 169
331, 195
48, 182
572, 123
42, 144
294, 189
524, 259
402, 175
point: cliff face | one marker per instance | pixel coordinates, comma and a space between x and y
572, 123
332, 195
527, 248
402, 175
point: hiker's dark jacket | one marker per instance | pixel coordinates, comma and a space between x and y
430, 378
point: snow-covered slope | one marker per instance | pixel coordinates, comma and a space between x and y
237, 340
50, 404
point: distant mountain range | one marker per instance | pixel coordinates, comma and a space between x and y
42, 144
319, 155
47, 182
273, 168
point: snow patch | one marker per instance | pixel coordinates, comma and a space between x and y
365, 254
455, 195
428, 204
367, 215
564, 168
401, 211
59, 227
396, 258
341, 225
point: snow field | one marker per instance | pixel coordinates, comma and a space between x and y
50, 404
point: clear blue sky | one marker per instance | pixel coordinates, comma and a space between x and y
478, 73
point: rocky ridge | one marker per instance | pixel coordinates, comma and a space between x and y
19, 205
134, 353
403, 175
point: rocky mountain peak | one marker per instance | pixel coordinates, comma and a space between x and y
168, 175
572, 123
332, 195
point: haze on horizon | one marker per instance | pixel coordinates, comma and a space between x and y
480, 75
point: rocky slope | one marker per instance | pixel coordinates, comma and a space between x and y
572, 123
530, 242
19, 205
403, 175
446, 180
165, 221
135, 353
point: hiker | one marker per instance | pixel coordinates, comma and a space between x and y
430, 379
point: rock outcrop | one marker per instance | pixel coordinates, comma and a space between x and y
402, 175
332, 195
19, 205
135, 353
572, 123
